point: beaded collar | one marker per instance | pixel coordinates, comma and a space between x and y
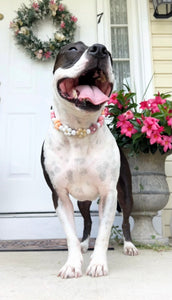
80, 132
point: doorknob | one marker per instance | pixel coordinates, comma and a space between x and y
1, 16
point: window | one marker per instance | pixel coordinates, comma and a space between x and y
119, 42
129, 42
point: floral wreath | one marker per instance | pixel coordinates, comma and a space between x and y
26, 16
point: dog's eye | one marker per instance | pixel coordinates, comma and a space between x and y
72, 49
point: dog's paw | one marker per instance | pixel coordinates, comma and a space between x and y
97, 267
70, 271
84, 245
130, 249
72, 268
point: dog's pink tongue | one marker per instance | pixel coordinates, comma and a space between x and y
92, 93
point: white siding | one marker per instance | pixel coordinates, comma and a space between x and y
161, 30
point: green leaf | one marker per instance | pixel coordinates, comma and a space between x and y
136, 136
158, 115
141, 187
168, 130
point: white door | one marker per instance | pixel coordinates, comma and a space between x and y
26, 94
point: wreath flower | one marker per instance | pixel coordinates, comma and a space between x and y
27, 16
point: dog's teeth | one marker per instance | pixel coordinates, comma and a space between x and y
102, 78
96, 75
74, 94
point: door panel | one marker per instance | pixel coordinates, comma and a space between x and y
26, 93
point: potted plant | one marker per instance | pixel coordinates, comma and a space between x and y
144, 132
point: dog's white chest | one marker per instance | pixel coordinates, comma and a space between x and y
82, 169
81, 179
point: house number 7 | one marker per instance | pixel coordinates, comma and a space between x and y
99, 16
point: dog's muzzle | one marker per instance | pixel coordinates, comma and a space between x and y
91, 89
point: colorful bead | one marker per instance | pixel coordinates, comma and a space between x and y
57, 124
101, 120
73, 132
93, 128
53, 114
80, 132
61, 127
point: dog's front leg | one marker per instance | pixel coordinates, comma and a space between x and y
72, 267
107, 207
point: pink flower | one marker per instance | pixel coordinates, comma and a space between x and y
113, 100
74, 19
155, 138
128, 129
35, 5
106, 112
62, 25
155, 102
47, 54
129, 114
144, 105
154, 107
52, 2
113, 97
122, 121
166, 142
119, 105
159, 100
160, 129
150, 124
61, 7
169, 121
138, 121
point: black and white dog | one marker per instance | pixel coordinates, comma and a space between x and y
80, 156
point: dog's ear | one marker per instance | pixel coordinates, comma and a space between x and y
59, 58
56, 63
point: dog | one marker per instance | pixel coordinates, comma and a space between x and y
80, 156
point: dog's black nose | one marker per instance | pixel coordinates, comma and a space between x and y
98, 50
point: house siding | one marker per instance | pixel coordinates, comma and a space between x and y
161, 33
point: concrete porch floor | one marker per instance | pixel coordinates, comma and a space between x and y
32, 276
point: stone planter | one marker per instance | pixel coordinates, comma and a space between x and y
150, 194
171, 231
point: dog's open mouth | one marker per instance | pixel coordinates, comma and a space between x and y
88, 91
